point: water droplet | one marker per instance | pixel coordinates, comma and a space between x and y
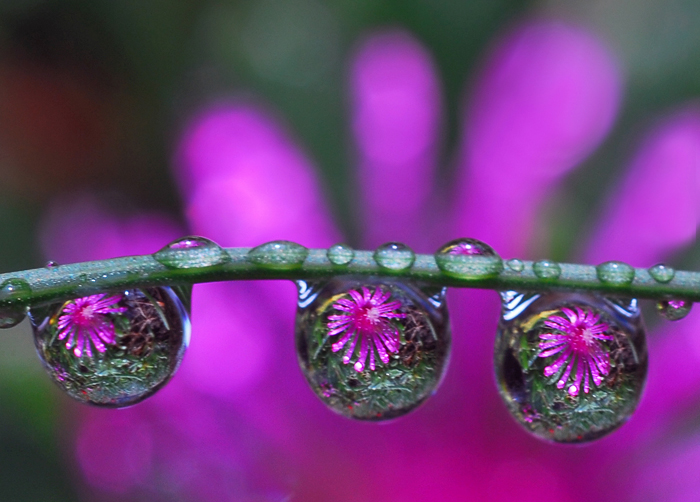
545, 269
13, 291
340, 254
372, 349
394, 256
278, 255
468, 259
662, 273
615, 272
51, 264
515, 265
570, 366
674, 309
112, 349
191, 252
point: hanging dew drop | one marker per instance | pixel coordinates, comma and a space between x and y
371, 348
394, 256
112, 349
615, 273
570, 366
546, 269
674, 309
515, 265
13, 291
191, 252
278, 255
340, 254
468, 259
662, 273
12, 316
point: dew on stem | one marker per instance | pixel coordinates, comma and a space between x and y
278, 255
468, 259
394, 256
191, 252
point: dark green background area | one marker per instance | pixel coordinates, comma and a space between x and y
156, 61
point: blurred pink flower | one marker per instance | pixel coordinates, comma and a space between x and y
240, 424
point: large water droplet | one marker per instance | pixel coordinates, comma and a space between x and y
674, 309
468, 259
615, 272
546, 269
191, 252
570, 366
662, 273
278, 255
340, 254
371, 348
394, 256
13, 291
112, 349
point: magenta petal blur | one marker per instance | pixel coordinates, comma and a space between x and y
371, 349
112, 350
570, 366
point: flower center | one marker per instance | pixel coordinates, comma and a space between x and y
368, 318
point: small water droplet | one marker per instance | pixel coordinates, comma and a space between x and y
674, 309
13, 291
51, 264
615, 272
662, 273
546, 269
340, 254
515, 265
278, 255
191, 252
371, 348
570, 366
394, 256
112, 349
468, 259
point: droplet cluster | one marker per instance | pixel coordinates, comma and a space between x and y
570, 366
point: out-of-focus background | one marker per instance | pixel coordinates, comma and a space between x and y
101, 105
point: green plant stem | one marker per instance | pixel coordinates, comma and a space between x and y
81, 279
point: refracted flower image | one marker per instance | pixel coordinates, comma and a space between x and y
85, 322
575, 341
408, 330
535, 133
570, 367
366, 318
140, 337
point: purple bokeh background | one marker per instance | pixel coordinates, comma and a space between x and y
237, 423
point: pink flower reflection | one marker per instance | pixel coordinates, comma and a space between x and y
365, 318
544, 100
